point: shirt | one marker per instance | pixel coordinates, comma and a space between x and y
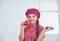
30, 32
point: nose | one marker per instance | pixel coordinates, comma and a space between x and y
31, 18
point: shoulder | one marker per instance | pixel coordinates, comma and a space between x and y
41, 27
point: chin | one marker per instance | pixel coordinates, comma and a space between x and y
32, 22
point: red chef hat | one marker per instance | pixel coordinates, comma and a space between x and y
33, 11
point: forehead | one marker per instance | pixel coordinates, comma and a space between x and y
31, 14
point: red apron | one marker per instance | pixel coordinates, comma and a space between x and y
30, 32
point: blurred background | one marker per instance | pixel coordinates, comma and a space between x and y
12, 13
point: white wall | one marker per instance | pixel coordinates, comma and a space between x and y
12, 13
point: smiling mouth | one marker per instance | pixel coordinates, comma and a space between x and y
31, 21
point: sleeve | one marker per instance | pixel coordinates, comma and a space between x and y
40, 30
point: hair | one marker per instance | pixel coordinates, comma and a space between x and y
37, 26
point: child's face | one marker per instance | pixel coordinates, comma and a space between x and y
32, 18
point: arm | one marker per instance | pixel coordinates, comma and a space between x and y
40, 38
21, 37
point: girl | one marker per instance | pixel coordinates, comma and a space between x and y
34, 31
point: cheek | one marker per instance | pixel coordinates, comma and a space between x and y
35, 20
28, 18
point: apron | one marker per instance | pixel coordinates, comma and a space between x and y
30, 32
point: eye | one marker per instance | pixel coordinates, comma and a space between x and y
33, 16
29, 16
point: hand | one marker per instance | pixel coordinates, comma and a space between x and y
48, 28
22, 26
